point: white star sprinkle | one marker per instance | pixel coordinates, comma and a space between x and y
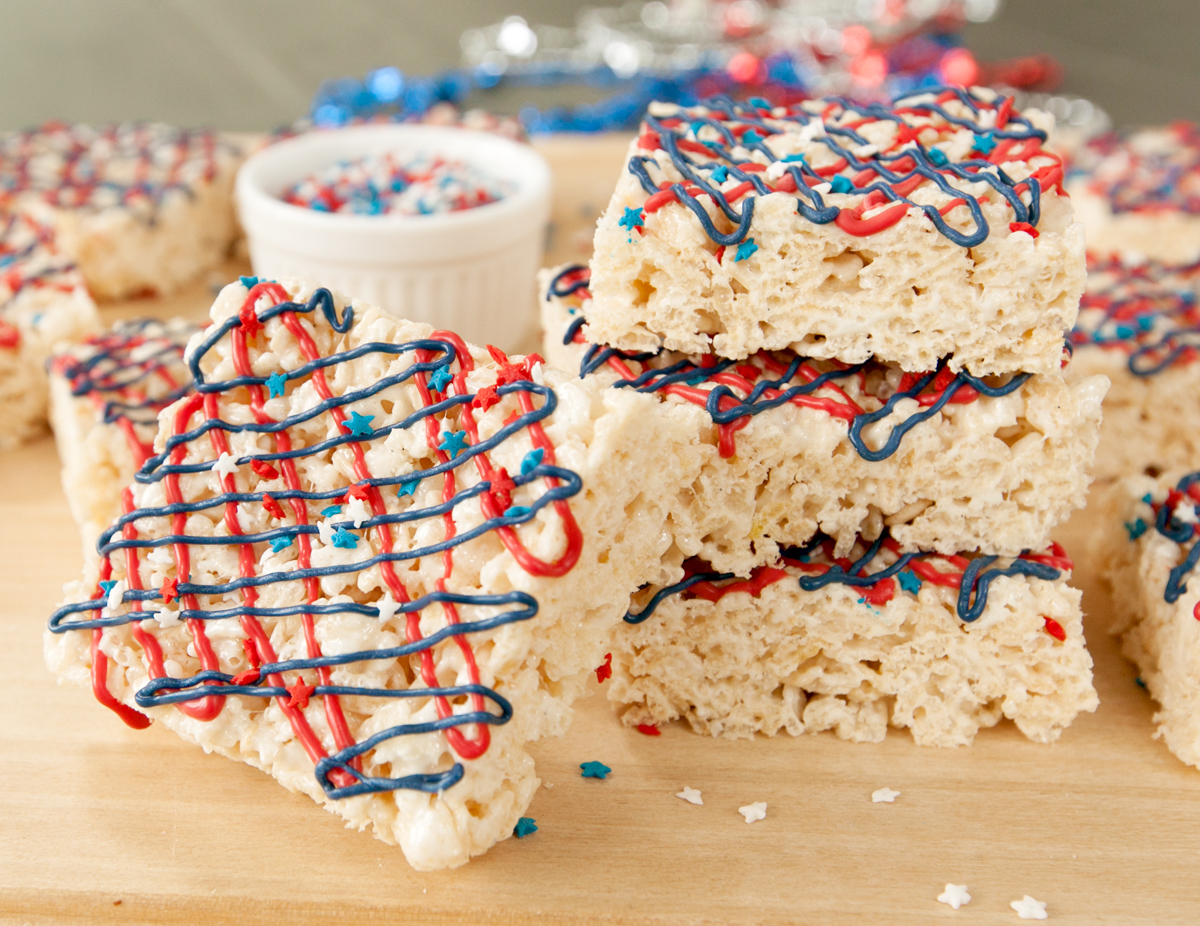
755, 811
537, 374
812, 130
225, 465
955, 895
866, 151
1185, 513
823, 188
691, 795
325, 531
776, 170
387, 607
357, 512
115, 594
1029, 909
884, 796
166, 617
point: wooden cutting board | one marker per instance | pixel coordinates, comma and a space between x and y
99, 823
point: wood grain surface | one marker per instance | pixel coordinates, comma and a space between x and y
99, 823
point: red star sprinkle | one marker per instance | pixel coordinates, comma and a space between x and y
264, 469
251, 651
485, 398
250, 323
604, 672
170, 590
358, 490
274, 509
299, 693
502, 487
648, 729
249, 677
1055, 629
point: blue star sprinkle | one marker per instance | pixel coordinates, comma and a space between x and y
408, 488
745, 249
1136, 529
526, 826
279, 544
937, 158
359, 425
751, 138
332, 511
516, 511
441, 379
594, 770
719, 175
841, 184
985, 143
344, 540
532, 461
453, 443
248, 282
107, 585
791, 158
909, 581
275, 383
632, 218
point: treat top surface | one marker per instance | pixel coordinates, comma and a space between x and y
396, 184
1175, 514
941, 152
131, 165
1146, 310
130, 374
329, 480
29, 261
1153, 170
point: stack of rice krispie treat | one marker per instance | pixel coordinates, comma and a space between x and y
105, 396
863, 309
373, 561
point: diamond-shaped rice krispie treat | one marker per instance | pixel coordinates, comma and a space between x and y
942, 645
105, 396
44, 304
1140, 192
790, 445
1139, 325
935, 227
1147, 557
140, 207
373, 562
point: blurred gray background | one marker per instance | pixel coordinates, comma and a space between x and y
254, 64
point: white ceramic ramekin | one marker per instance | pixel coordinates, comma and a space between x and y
470, 271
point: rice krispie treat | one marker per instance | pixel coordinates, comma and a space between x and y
105, 396
44, 303
1140, 192
942, 645
140, 207
373, 562
1148, 558
1139, 325
791, 445
936, 227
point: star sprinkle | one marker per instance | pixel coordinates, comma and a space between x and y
116, 592
909, 581
955, 895
985, 143
264, 469
1135, 529
170, 589
387, 607
359, 425
594, 770
357, 512
408, 488
938, 158
225, 465
248, 282
755, 811
1029, 909
344, 540
745, 249
884, 796
485, 398
453, 443
275, 383
720, 174
691, 795
250, 323
526, 826
516, 511
332, 511
604, 670
279, 544
648, 729
531, 461
632, 219
299, 693
841, 184
441, 378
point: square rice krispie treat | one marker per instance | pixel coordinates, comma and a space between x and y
790, 446
373, 562
1139, 325
105, 396
933, 228
1147, 557
942, 645
140, 207
44, 304
1140, 192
